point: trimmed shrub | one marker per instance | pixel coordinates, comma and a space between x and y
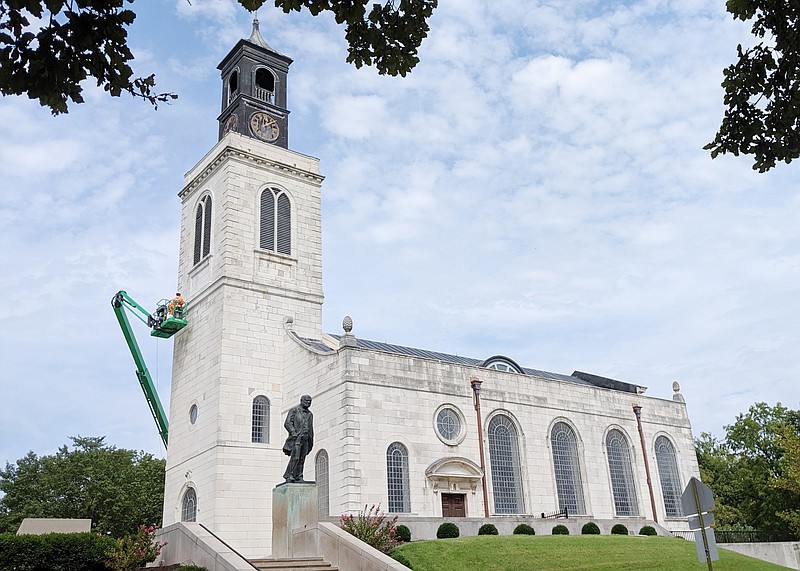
648, 530
447, 530
524, 529
619, 529
372, 527
400, 558
54, 552
192, 568
403, 533
488, 529
560, 530
590, 529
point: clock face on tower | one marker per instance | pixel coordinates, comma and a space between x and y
264, 127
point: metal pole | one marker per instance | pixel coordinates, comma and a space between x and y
702, 524
475, 383
637, 410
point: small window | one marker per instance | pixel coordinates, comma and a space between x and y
202, 229
449, 425
189, 506
397, 478
323, 484
193, 413
501, 363
276, 232
260, 431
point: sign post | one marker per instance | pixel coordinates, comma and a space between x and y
697, 501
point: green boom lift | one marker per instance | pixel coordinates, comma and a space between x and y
164, 322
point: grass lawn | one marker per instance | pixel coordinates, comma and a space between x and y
561, 552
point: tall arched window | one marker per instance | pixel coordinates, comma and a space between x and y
261, 419
397, 478
505, 466
569, 484
189, 506
202, 229
619, 466
323, 483
669, 476
276, 231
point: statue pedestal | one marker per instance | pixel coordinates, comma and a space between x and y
293, 506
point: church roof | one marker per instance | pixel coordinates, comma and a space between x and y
576, 377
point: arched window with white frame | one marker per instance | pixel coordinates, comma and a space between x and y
621, 471
504, 462
276, 221
567, 468
189, 505
202, 229
260, 426
670, 477
322, 478
397, 478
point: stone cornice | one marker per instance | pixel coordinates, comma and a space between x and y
232, 153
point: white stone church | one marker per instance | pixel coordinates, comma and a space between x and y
423, 434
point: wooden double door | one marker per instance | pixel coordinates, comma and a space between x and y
454, 505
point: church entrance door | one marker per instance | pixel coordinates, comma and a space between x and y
454, 505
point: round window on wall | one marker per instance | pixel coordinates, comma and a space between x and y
193, 414
449, 425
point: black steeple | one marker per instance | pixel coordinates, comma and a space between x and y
254, 91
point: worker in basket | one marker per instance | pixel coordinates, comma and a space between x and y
176, 305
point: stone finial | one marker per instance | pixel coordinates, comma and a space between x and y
676, 387
347, 324
348, 339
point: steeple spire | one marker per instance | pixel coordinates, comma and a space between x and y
255, 35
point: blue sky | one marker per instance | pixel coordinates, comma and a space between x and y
535, 188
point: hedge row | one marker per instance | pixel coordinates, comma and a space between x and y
450, 530
54, 552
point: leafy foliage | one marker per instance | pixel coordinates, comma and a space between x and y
750, 472
789, 480
49, 47
134, 550
74, 41
762, 89
590, 528
619, 529
403, 533
447, 530
117, 489
400, 558
488, 529
524, 529
372, 527
648, 530
54, 552
560, 530
387, 35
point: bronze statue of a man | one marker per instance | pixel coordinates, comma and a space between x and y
300, 425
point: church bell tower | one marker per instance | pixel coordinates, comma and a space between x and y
254, 91
250, 262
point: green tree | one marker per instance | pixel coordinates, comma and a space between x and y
117, 489
81, 39
762, 89
790, 477
745, 469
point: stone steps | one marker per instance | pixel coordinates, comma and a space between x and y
296, 564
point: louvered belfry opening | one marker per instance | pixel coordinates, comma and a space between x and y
276, 234
202, 229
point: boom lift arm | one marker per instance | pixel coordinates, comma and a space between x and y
163, 323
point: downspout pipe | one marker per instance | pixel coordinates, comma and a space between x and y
475, 383
637, 410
